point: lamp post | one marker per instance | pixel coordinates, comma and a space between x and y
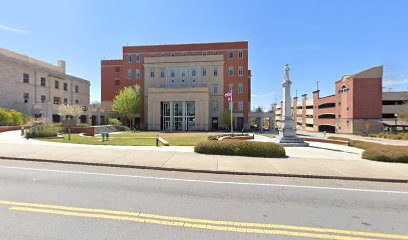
395, 121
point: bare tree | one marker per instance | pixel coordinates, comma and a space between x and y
73, 110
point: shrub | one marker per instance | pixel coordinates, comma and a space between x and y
241, 148
379, 152
82, 125
118, 124
43, 127
11, 118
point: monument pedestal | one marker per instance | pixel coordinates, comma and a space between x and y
287, 136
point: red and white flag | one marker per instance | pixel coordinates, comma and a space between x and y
228, 94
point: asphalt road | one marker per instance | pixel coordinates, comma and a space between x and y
57, 201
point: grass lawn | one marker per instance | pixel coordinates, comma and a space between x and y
133, 139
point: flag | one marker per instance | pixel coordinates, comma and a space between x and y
229, 99
228, 94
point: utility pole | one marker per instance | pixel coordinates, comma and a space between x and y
231, 106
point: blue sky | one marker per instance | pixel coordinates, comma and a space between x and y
320, 39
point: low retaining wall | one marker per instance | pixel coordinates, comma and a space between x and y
237, 138
9, 128
87, 131
325, 140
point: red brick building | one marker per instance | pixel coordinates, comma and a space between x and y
182, 85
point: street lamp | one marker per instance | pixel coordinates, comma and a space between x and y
395, 119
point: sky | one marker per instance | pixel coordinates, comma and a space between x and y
321, 40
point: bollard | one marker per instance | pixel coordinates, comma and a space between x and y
324, 133
22, 131
157, 140
69, 133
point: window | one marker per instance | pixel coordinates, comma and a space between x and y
183, 72
204, 72
26, 97
129, 73
215, 72
151, 54
65, 101
162, 54
240, 106
151, 73
26, 78
240, 88
215, 52
231, 87
240, 54
137, 73
193, 53
56, 84
65, 86
215, 106
117, 82
240, 71
76, 101
162, 73
76, 88
129, 58
57, 100
231, 55
215, 88
173, 54
183, 54
172, 73
43, 81
137, 57
117, 69
43, 99
193, 72
204, 53
231, 71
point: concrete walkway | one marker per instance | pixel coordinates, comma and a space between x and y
320, 160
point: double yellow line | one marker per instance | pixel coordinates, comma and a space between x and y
239, 227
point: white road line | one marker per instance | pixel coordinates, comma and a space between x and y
207, 181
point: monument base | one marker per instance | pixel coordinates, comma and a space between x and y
291, 141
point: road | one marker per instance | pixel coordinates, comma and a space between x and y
57, 201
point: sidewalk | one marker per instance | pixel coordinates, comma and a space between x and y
319, 161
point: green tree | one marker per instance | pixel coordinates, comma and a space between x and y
127, 102
226, 119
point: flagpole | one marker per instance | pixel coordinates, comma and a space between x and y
231, 107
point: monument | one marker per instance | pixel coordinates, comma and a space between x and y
287, 133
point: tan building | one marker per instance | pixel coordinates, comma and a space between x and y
37, 88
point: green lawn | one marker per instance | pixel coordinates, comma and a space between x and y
136, 139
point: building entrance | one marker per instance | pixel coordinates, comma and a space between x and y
177, 116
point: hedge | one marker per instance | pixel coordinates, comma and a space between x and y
44, 131
11, 118
379, 152
241, 148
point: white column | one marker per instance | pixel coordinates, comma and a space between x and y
171, 116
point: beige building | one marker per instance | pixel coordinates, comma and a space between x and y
37, 88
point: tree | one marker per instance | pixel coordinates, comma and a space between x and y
73, 110
226, 119
127, 102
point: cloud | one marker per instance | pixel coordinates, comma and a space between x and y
395, 82
10, 29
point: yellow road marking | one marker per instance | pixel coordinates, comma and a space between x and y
205, 221
188, 225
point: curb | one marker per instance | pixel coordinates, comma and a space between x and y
210, 171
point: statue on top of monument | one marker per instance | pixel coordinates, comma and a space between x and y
287, 79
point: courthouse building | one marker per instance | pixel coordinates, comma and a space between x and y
31, 86
182, 85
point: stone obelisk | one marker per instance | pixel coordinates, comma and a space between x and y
287, 133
